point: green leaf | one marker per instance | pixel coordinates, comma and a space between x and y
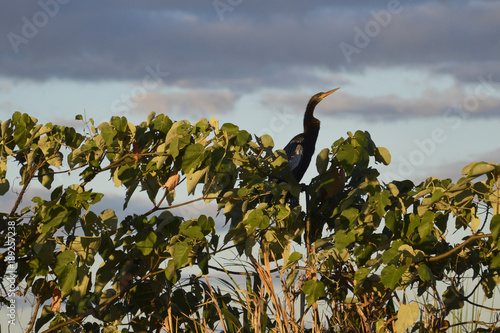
279, 160
192, 157
86, 248
194, 178
80, 290
109, 219
360, 275
490, 281
495, 261
382, 155
171, 273
4, 186
362, 138
64, 258
128, 174
292, 275
426, 224
379, 200
292, 259
267, 141
495, 228
230, 129
414, 223
161, 123
257, 219
314, 290
43, 289
21, 136
243, 137
390, 255
47, 315
476, 169
56, 160
452, 298
436, 195
203, 260
181, 255
46, 177
191, 231
342, 239
348, 155
425, 273
390, 220
54, 217
174, 147
178, 129
66, 271
391, 275
322, 161
147, 243
108, 133
120, 124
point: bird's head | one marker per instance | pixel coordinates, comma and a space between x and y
309, 120
319, 96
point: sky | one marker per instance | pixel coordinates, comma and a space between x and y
422, 77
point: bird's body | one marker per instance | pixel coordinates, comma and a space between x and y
300, 151
301, 148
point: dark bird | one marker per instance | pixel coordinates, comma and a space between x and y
301, 148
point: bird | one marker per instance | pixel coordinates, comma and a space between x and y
299, 152
301, 148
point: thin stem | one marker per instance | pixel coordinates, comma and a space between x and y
33, 318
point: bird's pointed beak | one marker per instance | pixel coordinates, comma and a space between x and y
329, 92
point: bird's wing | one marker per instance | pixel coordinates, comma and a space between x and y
295, 159
295, 151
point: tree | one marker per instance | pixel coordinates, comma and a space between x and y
368, 243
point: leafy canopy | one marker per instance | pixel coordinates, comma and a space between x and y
364, 240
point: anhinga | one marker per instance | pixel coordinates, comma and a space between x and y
301, 148
300, 151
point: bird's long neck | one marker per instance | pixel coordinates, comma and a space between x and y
311, 124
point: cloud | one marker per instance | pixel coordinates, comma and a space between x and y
430, 103
454, 169
254, 45
199, 102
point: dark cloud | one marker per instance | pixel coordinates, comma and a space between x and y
246, 45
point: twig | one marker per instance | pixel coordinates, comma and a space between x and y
32, 321
31, 174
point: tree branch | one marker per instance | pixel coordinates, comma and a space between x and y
457, 248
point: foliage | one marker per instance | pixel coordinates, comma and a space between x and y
366, 243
